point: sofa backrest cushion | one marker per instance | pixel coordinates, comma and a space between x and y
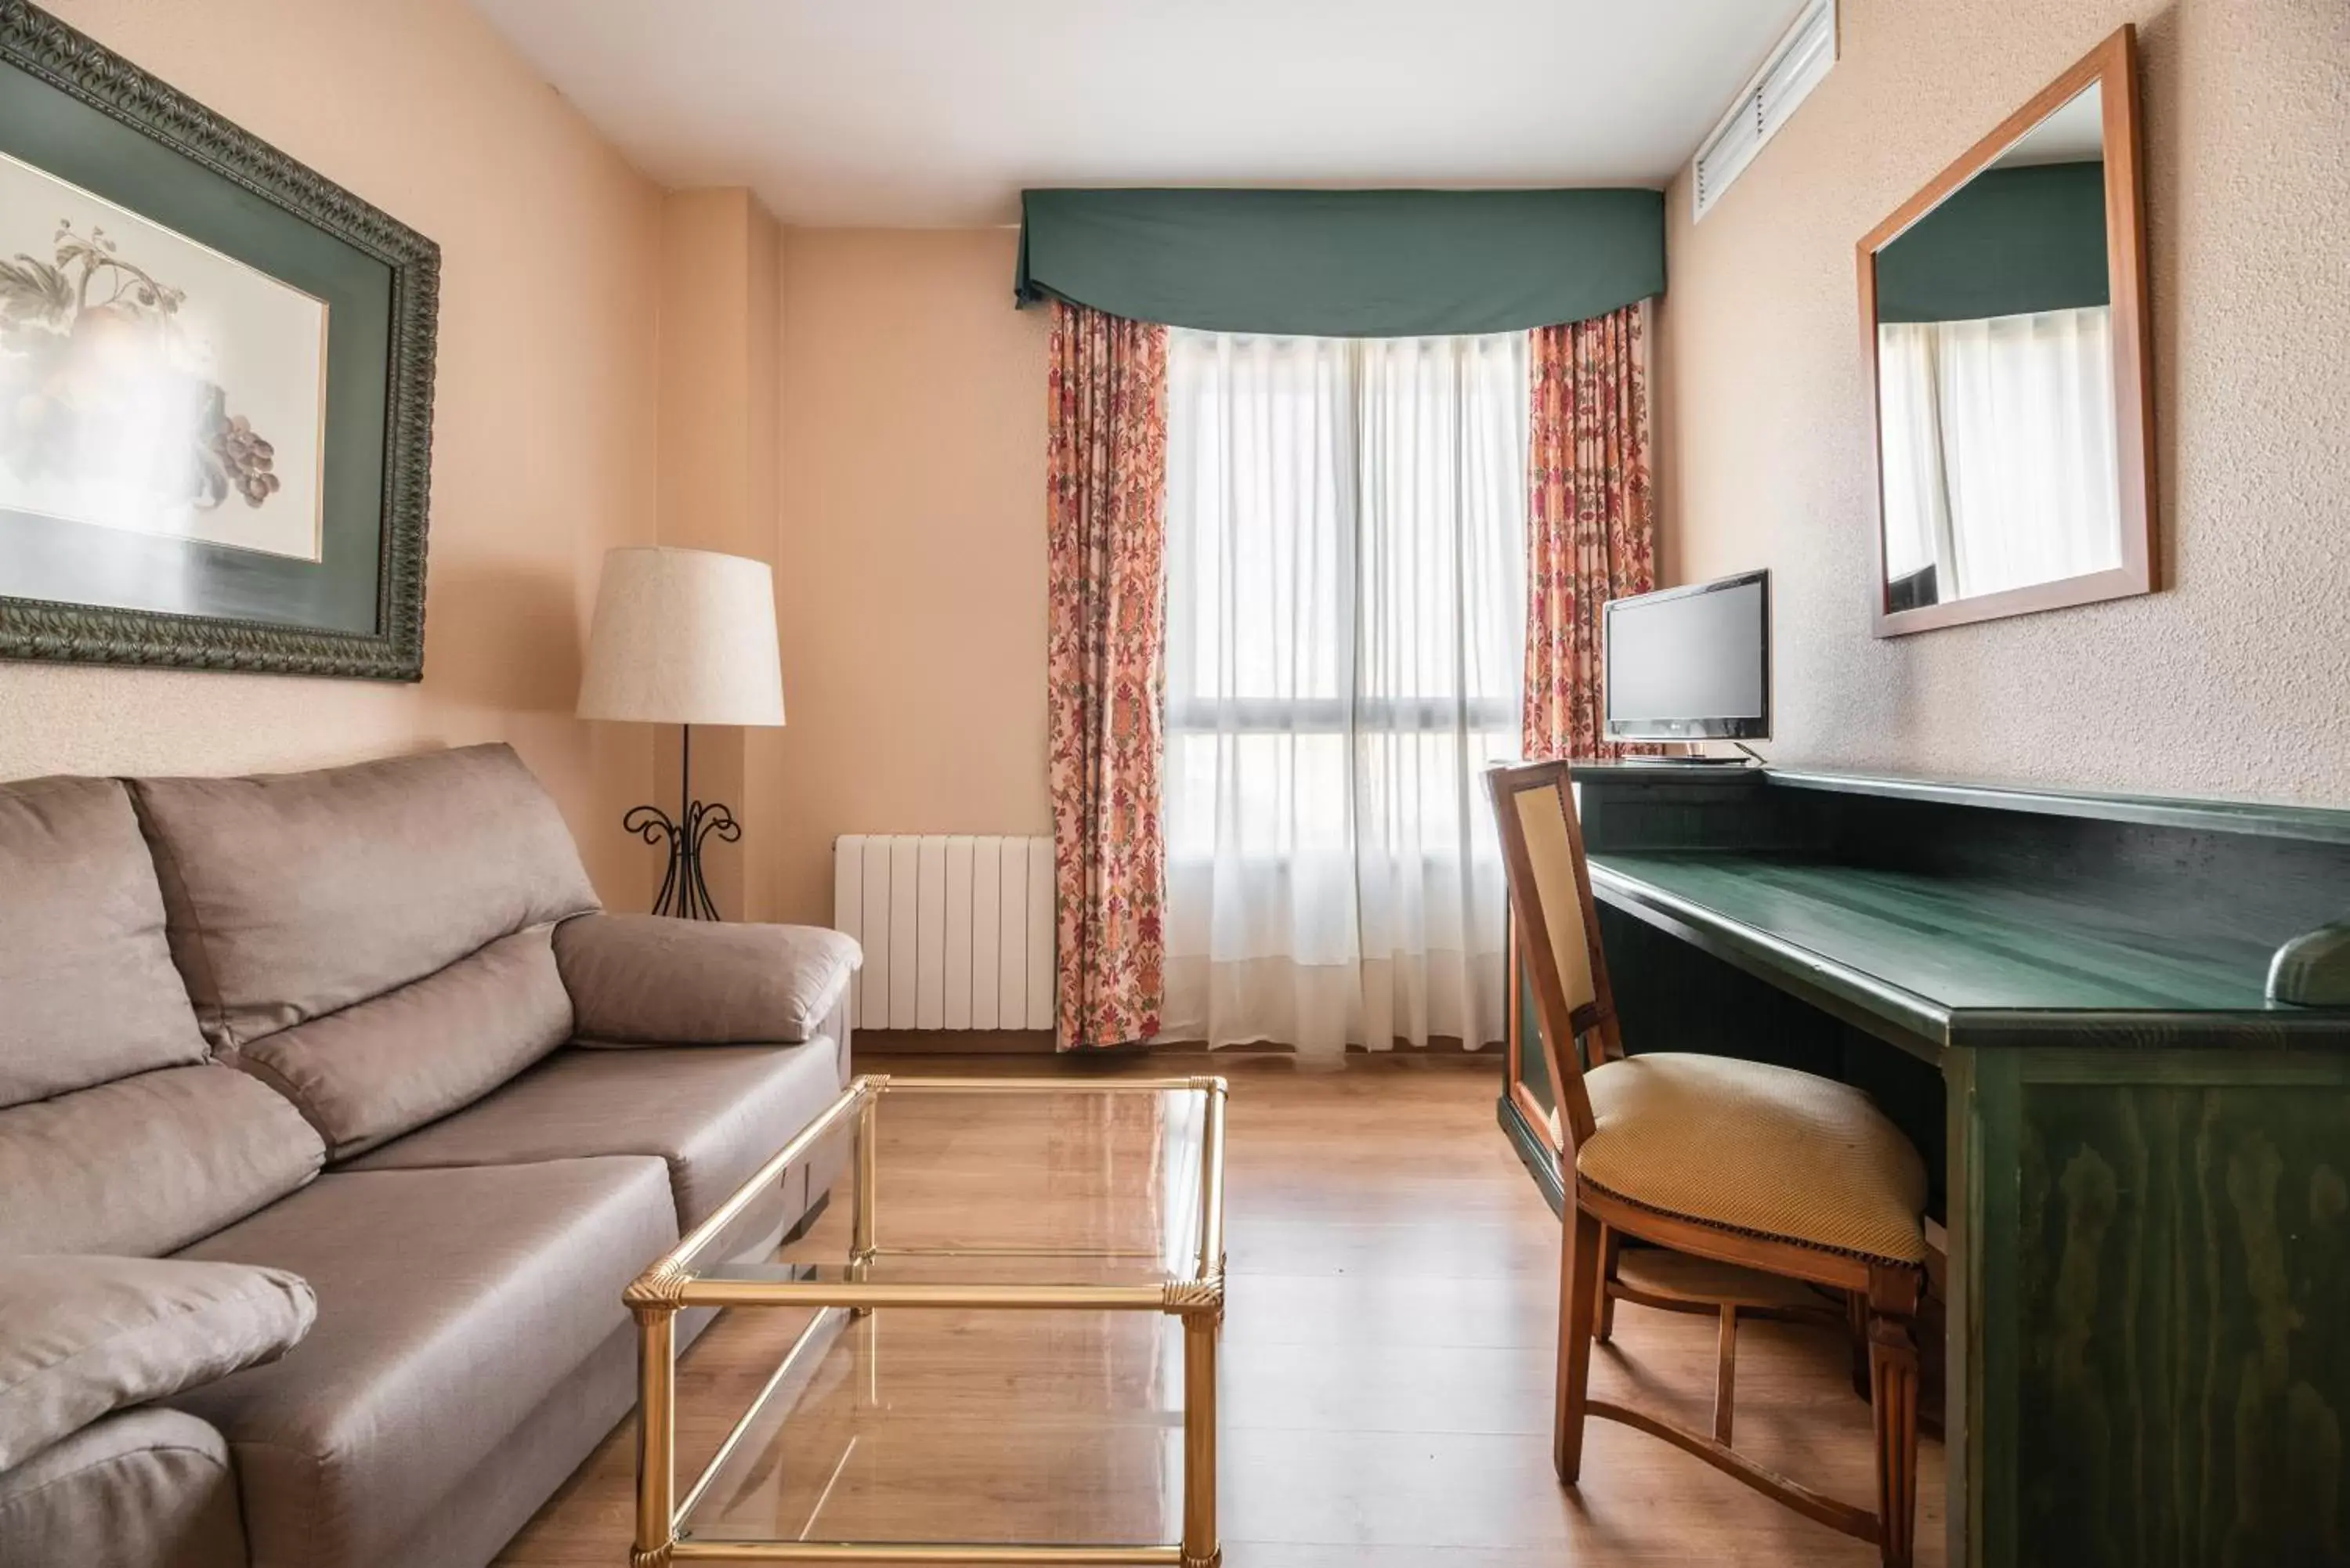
293, 895
397, 1061
146, 1165
88, 992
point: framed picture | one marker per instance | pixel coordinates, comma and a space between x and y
215, 385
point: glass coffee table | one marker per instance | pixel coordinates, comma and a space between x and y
997, 1343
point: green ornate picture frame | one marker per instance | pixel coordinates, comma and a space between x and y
185, 583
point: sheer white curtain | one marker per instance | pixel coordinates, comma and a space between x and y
2001, 464
1346, 562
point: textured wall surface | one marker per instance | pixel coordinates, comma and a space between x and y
542, 452
2235, 680
911, 561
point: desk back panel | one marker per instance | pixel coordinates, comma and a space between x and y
2269, 872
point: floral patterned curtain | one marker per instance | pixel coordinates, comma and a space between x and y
1106, 521
1591, 535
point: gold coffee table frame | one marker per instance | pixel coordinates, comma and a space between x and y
670, 1285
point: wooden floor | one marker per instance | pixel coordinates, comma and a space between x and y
1387, 1348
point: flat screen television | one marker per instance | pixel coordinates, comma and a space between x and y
1691, 663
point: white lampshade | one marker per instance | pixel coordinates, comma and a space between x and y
683, 636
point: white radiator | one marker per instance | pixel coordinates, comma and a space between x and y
957, 930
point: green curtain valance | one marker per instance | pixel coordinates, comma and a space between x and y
1344, 263
2011, 241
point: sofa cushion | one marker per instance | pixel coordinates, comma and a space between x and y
88, 992
714, 1113
293, 895
450, 1303
394, 1061
146, 1488
84, 1334
644, 978
144, 1165
473, 1525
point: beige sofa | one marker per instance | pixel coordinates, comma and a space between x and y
366, 1028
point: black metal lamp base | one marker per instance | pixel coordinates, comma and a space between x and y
683, 893
685, 896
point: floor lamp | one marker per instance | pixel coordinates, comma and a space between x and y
685, 638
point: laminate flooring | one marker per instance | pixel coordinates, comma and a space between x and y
1385, 1382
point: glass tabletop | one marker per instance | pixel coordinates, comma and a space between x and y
1099, 1204
940, 1186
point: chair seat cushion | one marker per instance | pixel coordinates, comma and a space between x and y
1761, 1150
451, 1304
714, 1113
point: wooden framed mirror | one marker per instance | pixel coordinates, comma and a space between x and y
2010, 371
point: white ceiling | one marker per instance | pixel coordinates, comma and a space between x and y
926, 113
2074, 133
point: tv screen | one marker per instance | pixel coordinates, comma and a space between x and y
1691, 663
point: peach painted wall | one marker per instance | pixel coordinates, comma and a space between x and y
910, 557
762, 498
2231, 681
543, 423
719, 344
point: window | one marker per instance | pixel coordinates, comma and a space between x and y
1345, 638
2001, 468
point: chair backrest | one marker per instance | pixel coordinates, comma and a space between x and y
1558, 930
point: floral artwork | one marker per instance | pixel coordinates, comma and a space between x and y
127, 398
217, 373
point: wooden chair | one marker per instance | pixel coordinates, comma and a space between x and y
1743, 1163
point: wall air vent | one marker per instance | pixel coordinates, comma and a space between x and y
1796, 65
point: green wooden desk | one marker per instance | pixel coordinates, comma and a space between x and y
2141, 1161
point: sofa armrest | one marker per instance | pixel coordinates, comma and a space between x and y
82, 1335
650, 980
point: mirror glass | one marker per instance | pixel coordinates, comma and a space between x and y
1995, 375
